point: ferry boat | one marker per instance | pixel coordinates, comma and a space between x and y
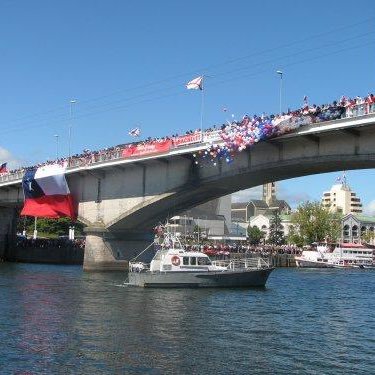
175, 267
344, 255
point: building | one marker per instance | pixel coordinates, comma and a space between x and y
243, 212
264, 223
357, 227
258, 212
342, 199
212, 218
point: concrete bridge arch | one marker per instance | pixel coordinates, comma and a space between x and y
181, 184
121, 200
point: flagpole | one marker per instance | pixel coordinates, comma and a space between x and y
202, 108
35, 230
73, 101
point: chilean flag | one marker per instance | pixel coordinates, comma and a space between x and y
3, 168
47, 193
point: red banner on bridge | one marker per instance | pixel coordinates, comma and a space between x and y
147, 148
187, 139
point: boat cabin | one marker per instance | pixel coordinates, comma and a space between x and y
179, 260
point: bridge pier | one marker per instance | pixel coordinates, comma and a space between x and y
111, 251
8, 225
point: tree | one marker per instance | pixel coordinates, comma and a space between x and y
368, 236
276, 234
199, 232
254, 234
57, 227
313, 223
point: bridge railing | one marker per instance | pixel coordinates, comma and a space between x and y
103, 156
12, 176
360, 110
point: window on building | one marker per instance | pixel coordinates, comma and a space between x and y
355, 231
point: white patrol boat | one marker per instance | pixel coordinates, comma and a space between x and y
345, 255
174, 267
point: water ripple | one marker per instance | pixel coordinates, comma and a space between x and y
60, 320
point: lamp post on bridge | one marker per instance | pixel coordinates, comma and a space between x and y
280, 73
57, 145
73, 101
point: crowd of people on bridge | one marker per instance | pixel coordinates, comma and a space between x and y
236, 135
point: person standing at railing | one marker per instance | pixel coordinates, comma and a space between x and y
349, 105
360, 106
370, 103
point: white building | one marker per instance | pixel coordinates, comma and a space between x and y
342, 199
356, 227
259, 212
264, 222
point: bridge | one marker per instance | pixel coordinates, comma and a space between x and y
121, 199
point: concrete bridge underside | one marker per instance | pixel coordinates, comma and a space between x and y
121, 202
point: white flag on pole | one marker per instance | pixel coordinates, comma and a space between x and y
195, 84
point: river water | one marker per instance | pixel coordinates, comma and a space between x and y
60, 320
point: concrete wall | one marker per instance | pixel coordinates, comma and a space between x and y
8, 223
50, 255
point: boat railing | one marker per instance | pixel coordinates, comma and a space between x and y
235, 264
138, 266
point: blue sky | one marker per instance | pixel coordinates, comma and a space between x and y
126, 63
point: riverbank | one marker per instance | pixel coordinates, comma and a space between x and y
74, 255
69, 255
275, 260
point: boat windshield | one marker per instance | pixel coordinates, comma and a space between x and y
203, 261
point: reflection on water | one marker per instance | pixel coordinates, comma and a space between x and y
57, 319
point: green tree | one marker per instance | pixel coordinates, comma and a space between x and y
276, 234
54, 227
367, 236
312, 223
255, 235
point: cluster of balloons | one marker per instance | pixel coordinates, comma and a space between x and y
213, 154
239, 136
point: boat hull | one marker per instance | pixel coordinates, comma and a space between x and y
311, 264
212, 279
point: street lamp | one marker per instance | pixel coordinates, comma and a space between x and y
280, 73
57, 145
73, 101
198, 229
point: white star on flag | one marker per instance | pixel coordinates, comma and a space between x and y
195, 84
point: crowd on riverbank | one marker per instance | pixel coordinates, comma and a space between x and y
237, 135
221, 249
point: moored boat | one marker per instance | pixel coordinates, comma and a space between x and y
174, 267
344, 255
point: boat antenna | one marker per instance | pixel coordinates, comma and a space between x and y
344, 178
135, 258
